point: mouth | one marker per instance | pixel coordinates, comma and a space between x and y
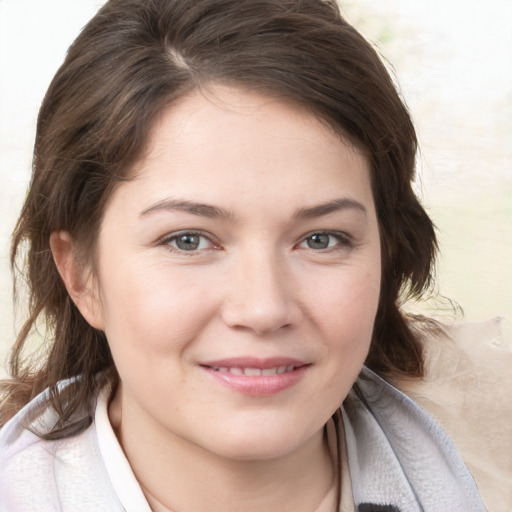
256, 372
257, 377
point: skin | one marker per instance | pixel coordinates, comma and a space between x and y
256, 286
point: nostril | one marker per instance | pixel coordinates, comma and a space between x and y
261, 321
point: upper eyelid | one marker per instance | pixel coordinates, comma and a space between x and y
175, 234
340, 234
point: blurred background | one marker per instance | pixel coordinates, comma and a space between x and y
453, 63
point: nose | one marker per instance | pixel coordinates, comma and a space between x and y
262, 296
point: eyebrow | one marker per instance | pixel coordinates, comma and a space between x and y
214, 212
336, 205
199, 209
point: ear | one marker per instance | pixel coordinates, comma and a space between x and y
81, 285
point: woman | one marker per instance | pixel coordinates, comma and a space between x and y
219, 231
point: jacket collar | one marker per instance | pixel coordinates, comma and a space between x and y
399, 457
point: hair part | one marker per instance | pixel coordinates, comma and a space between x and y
137, 57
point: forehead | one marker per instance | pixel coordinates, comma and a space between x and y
225, 143
216, 110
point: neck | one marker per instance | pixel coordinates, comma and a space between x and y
249, 489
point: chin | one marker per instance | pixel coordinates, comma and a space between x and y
255, 450
271, 440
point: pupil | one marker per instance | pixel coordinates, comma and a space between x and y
318, 241
188, 242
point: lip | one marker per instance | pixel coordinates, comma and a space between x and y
291, 371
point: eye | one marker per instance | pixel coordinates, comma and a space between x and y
188, 241
324, 240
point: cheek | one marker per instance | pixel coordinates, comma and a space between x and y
346, 306
149, 306
345, 313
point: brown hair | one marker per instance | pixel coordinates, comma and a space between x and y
137, 56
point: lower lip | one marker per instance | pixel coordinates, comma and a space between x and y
258, 385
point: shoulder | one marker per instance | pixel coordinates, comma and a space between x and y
51, 474
466, 389
398, 454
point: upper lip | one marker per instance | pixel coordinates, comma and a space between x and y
254, 362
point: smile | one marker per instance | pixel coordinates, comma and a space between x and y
257, 377
256, 372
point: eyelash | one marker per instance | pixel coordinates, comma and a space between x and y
168, 240
344, 241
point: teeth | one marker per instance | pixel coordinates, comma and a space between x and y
256, 372
252, 372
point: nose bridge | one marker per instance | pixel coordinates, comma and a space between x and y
261, 294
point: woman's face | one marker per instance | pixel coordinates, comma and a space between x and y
238, 276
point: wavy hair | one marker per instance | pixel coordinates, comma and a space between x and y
136, 57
